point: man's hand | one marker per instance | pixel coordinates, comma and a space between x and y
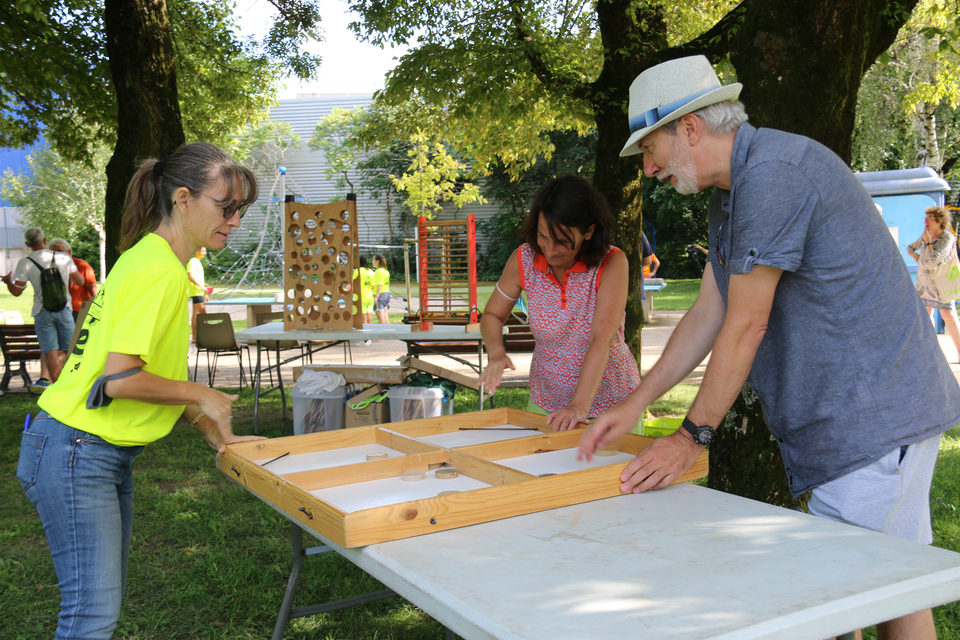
660, 464
607, 428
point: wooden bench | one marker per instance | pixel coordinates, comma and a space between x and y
19, 345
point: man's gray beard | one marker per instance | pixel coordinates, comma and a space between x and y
684, 169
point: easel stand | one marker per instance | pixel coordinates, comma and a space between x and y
286, 608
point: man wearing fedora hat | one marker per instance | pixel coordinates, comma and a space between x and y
798, 261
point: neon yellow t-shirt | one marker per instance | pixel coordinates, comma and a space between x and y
366, 287
195, 268
141, 309
382, 276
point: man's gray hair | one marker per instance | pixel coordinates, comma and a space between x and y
33, 236
721, 118
59, 244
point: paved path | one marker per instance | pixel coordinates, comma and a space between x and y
387, 352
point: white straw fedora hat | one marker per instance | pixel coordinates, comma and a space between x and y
672, 89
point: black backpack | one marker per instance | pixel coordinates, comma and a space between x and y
53, 293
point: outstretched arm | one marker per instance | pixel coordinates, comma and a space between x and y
748, 311
689, 344
495, 315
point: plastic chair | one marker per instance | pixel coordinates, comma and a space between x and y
215, 335
276, 346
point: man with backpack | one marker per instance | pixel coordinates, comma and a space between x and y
49, 272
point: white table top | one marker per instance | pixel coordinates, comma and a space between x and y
274, 331
683, 563
256, 301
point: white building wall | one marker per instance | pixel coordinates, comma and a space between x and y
305, 175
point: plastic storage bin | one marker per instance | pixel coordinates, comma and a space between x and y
312, 413
414, 403
659, 427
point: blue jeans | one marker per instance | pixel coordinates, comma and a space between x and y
82, 487
54, 329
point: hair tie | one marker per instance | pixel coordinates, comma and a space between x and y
158, 166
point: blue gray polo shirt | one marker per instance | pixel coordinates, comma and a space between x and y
850, 367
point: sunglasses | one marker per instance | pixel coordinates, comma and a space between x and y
229, 208
721, 258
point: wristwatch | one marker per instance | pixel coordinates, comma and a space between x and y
702, 434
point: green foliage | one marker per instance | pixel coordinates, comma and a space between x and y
471, 81
62, 197
680, 220
573, 153
434, 178
262, 146
55, 73
907, 106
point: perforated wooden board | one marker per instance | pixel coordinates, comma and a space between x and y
325, 481
320, 253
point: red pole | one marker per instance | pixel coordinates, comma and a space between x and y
424, 284
472, 253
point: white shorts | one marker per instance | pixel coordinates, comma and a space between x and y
891, 495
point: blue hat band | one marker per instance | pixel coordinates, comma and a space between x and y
653, 116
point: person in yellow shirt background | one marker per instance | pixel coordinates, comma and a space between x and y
381, 279
196, 289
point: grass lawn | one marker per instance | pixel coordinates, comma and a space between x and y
211, 561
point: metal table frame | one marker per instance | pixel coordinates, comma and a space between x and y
274, 331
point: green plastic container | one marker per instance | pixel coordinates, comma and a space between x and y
659, 427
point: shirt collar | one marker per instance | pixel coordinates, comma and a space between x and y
540, 264
741, 149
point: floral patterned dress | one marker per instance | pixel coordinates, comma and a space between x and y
932, 255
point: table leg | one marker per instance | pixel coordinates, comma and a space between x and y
256, 394
283, 396
286, 608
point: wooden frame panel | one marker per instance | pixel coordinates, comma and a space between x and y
510, 492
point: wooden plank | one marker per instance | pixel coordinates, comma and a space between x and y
318, 515
418, 517
359, 374
364, 471
440, 372
306, 443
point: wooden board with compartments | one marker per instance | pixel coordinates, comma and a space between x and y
320, 255
508, 462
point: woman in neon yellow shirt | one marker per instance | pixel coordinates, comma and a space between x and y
381, 279
125, 384
196, 289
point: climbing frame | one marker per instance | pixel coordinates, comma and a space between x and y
448, 270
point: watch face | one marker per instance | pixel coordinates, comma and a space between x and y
704, 435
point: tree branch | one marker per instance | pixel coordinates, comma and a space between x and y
524, 36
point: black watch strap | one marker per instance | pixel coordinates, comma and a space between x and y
701, 434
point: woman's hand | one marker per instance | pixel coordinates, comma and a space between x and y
493, 373
218, 406
568, 418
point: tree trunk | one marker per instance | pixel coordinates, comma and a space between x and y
142, 63
632, 34
801, 63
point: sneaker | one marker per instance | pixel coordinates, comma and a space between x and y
39, 386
